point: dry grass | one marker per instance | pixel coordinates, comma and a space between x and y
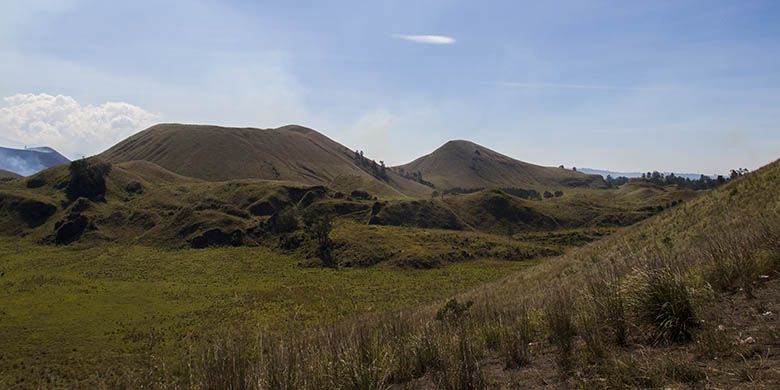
657, 277
588, 312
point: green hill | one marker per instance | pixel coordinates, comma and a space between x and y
145, 203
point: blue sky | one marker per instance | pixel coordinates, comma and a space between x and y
666, 85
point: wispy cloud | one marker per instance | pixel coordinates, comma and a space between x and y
427, 39
576, 86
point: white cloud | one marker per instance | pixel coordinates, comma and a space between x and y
427, 39
575, 86
71, 128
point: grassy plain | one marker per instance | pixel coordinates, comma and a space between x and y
70, 313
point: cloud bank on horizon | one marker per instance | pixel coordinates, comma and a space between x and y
75, 130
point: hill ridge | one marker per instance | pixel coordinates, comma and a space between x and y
291, 152
465, 164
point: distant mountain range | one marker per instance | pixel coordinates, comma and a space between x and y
604, 173
28, 161
299, 154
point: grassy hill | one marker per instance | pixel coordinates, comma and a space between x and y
289, 153
466, 165
152, 293
8, 175
144, 203
686, 299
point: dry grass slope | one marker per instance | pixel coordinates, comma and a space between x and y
7, 175
686, 299
463, 164
289, 153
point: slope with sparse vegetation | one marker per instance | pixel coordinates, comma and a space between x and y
167, 280
289, 153
464, 164
685, 299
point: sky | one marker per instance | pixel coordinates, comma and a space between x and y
685, 86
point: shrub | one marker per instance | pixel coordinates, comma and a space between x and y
88, 179
453, 310
134, 188
660, 299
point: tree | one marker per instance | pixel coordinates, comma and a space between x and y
318, 229
574, 169
87, 179
283, 221
548, 195
558, 193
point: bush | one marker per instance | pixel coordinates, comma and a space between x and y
134, 188
453, 310
88, 179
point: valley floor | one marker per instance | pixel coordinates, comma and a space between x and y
81, 314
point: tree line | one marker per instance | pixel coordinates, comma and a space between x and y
702, 183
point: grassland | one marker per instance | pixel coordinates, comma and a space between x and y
129, 304
70, 315
685, 299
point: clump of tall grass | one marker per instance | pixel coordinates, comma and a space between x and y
607, 303
226, 363
363, 361
559, 313
461, 370
736, 254
413, 348
661, 300
516, 337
